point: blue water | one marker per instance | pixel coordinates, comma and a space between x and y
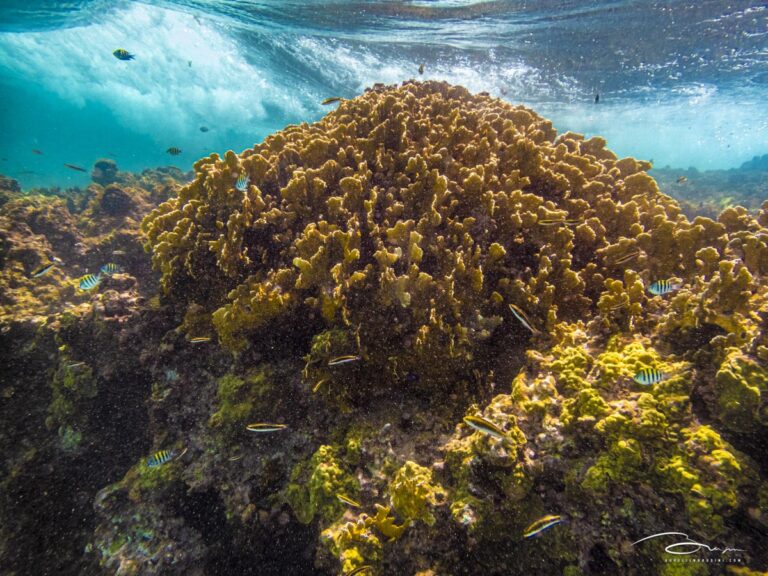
682, 83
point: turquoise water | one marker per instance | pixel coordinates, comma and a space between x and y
682, 83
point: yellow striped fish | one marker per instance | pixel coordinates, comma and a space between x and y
160, 457
111, 268
649, 376
89, 281
200, 339
122, 54
347, 500
661, 287
332, 100
485, 426
541, 524
264, 427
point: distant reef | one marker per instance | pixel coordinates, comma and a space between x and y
425, 335
708, 192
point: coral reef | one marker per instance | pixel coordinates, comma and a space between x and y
419, 256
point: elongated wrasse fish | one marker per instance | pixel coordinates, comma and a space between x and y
542, 524
485, 426
264, 427
347, 500
520, 315
342, 360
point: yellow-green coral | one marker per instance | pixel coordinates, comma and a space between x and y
414, 493
315, 484
741, 387
237, 399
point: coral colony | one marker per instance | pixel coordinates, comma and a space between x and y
421, 326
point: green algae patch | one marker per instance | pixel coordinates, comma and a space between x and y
741, 386
238, 399
413, 493
314, 486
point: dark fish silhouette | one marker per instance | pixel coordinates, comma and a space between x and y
421, 69
73, 167
36, 151
204, 128
173, 151
331, 100
597, 98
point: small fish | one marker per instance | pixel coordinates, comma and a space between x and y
648, 376
75, 364
235, 458
618, 306
200, 339
36, 151
110, 269
331, 100
118, 252
4, 159
541, 524
682, 180
42, 270
121, 54
73, 167
359, 570
597, 98
264, 427
317, 386
204, 128
242, 182
485, 426
421, 69
174, 151
89, 281
342, 360
558, 221
189, 63
661, 287
161, 457
631, 255
520, 315
347, 500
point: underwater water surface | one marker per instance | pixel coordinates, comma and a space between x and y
384, 287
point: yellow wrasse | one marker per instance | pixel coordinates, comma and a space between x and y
627, 257
541, 524
520, 315
347, 500
485, 426
317, 386
200, 339
263, 427
332, 100
558, 221
342, 360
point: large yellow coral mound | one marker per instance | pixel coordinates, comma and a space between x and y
414, 216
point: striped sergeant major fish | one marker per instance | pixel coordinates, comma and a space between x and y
242, 182
89, 281
542, 524
649, 376
160, 457
661, 287
110, 269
